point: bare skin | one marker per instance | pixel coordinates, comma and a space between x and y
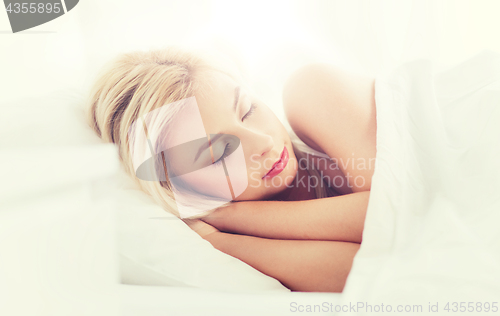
333, 112
309, 244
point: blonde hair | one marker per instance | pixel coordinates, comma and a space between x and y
137, 83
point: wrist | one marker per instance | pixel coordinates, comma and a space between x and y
221, 216
214, 238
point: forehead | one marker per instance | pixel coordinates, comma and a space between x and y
214, 89
209, 112
215, 100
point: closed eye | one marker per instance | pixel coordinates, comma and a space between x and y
224, 155
250, 111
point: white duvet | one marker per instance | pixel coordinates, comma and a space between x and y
432, 228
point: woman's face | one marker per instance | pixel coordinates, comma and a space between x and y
263, 164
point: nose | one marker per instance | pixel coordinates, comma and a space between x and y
267, 145
259, 143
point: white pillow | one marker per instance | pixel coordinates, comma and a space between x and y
157, 248
154, 247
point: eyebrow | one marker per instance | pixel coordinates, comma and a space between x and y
236, 97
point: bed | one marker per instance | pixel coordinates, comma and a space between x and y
430, 238
431, 242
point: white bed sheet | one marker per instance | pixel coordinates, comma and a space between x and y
431, 232
163, 300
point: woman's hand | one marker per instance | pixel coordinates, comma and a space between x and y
200, 227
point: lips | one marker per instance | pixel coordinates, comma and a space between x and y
278, 165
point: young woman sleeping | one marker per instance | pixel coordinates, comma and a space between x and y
304, 235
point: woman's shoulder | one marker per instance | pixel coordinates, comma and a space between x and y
333, 112
318, 97
322, 92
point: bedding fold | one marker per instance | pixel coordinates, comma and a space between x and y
431, 230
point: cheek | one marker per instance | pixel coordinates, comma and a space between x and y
269, 122
209, 181
212, 180
237, 170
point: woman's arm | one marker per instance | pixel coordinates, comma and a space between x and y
300, 265
339, 218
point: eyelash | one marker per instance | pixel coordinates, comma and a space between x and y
228, 146
219, 161
252, 109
